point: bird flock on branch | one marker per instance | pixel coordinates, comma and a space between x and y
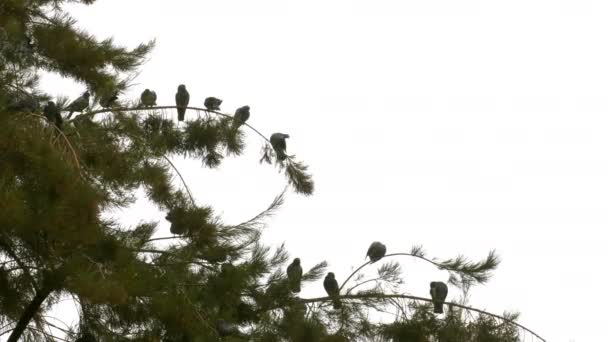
376, 251
148, 97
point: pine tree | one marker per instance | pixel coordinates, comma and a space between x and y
219, 282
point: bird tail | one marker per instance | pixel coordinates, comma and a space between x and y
181, 114
281, 155
337, 304
438, 307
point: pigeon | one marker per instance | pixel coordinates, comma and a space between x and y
331, 287
240, 116
80, 104
439, 291
294, 275
107, 101
52, 114
182, 98
213, 103
376, 251
148, 98
277, 140
175, 217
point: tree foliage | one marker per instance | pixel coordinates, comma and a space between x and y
210, 280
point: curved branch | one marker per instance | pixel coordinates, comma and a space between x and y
436, 264
126, 109
361, 283
352, 274
381, 296
182, 178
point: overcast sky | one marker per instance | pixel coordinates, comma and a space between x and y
464, 126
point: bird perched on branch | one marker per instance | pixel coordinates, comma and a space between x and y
240, 116
213, 103
277, 140
107, 101
376, 251
294, 275
148, 98
52, 114
331, 287
79, 105
175, 217
439, 291
182, 98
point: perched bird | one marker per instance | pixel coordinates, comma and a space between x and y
175, 217
80, 104
331, 287
213, 103
277, 140
182, 98
240, 116
294, 275
107, 101
148, 98
439, 291
51, 112
376, 251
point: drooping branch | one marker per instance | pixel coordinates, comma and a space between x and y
403, 296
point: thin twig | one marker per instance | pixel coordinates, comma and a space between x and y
182, 178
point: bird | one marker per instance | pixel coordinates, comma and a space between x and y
182, 98
294, 275
331, 287
107, 101
376, 251
277, 140
439, 291
213, 103
52, 114
80, 104
240, 116
174, 216
148, 98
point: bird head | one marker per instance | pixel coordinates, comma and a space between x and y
51, 104
285, 136
147, 90
296, 261
330, 275
181, 87
433, 284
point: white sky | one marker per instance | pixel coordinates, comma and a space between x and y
460, 125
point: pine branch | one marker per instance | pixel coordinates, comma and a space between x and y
381, 296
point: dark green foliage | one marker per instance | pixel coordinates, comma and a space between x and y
64, 182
